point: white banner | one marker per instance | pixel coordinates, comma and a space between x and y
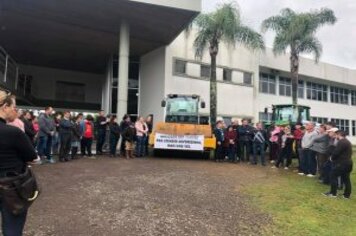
179, 142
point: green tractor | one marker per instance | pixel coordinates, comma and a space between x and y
288, 114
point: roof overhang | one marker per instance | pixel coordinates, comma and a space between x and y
82, 34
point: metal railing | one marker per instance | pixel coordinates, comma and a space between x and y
9, 71
11, 78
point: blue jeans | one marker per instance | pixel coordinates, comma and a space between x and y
259, 147
12, 225
231, 152
308, 162
100, 140
140, 146
113, 144
44, 146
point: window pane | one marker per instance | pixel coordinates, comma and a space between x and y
247, 78
205, 71
227, 74
180, 67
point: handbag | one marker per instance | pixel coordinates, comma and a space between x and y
18, 192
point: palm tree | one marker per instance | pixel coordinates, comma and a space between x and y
296, 32
225, 25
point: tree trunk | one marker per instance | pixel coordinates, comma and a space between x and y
213, 86
294, 68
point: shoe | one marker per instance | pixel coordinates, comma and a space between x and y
274, 167
328, 194
51, 161
310, 175
286, 168
346, 198
301, 173
272, 162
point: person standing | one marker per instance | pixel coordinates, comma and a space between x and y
245, 133
129, 135
230, 143
298, 135
341, 165
55, 138
308, 160
235, 125
258, 144
141, 135
101, 124
286, 152
124, 124
76, 136
275, 143
219, 135
65, 136
15, 151
149, 122
320, 146
29, 129
87, 133
45, 134
114, 135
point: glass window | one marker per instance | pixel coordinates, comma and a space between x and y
247, 78
342, 124
339, 95
70, 92
285, 86
300, 88
320, 120
265, 117
227, 74
267, 83
353, 98
180, 67
204, 71
318, 92
354, 128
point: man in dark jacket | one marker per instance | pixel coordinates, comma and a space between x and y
76, 135
245, 136
29, 130
219, 135
258, 143
45, 134
65, 134
101, 125
124, 124
341, 165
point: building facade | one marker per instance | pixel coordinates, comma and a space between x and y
126, 56
249, 82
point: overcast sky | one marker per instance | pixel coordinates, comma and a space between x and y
339, 40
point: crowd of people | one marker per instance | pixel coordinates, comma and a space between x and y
70, 137
322, 150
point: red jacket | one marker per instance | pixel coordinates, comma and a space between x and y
298, 134
230, 135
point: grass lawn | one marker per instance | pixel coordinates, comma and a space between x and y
298, 208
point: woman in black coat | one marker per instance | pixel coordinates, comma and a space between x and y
114, 135
16, 150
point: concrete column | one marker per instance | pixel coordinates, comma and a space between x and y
124, 52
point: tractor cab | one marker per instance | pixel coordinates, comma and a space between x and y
182, 108
289, 114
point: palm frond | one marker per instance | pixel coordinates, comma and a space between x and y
312, 45
280, 44
249, 38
